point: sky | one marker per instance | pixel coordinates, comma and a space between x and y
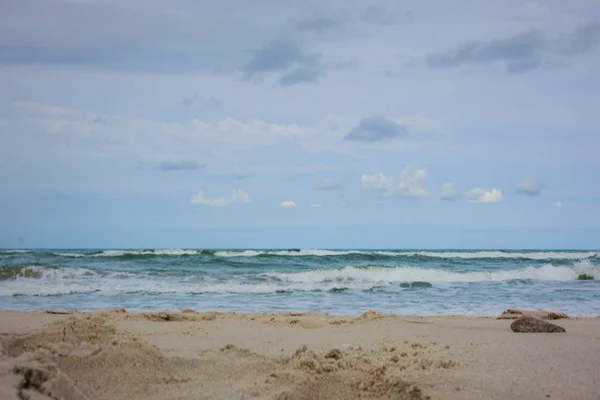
314, 124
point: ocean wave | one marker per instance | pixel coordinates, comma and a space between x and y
36, 280
16, 251
541, 255
411, 274
291, 253
37, 288
54, 273
58, 273
126, 253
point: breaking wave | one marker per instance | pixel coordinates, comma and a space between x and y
53, 281
411, 274
541, 255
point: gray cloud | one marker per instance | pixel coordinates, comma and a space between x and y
376, 129
179, 165
520, 53
382, 17
301, 75
286, 56
582, 39
328, 184
317, 24
530, 187
518, 48
523, 66
75, 33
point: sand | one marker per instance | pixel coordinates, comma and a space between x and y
189, 355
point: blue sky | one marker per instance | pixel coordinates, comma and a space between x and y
414, 124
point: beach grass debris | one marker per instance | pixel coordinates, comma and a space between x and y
585, 277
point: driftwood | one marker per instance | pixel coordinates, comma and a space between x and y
512, 313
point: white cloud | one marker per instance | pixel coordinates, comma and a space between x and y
448, 192
238, 196
288, 204
558, 204
409, 183
529, 187
480, 195
199, 198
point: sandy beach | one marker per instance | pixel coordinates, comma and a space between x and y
190, 355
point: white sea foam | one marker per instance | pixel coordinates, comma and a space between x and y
409, 274
542, 255
17, 251
37, 287
44, 273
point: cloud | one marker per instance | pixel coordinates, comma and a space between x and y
380, 16
286, 56
301, 75
480, 195
377, 128
238, 196
287, 204
317, 24
558, 204
410, 182
520, 48
529, 187
448, 192
74, 33
315, 205
179, 165
519, 53
582, 39
328, 184
199, 198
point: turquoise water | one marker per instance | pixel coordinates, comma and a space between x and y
441, 282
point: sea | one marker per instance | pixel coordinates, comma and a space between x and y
338, 282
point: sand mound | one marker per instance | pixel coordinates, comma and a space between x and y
35, 376
86, 357
352, 373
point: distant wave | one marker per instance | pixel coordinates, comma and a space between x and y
542, 255
125, 253
17, 251
347, 254
294, 253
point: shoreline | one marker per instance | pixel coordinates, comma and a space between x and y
115, 354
